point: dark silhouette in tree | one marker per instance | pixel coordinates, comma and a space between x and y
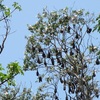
65, 53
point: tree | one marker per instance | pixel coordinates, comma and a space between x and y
97, 26
15, 93
61, 51
6, 13
8, 88
13, 68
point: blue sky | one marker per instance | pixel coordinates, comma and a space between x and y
15, 44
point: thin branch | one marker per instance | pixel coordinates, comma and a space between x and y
6, 35
7, 79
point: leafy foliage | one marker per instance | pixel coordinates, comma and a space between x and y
97, 26
17, 6
7, 75
15, 93
13, 69
61, 51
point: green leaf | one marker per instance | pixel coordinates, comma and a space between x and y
11, 82
98, 53
1, 68
2, 7
17, 6
7, 12
14, 68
